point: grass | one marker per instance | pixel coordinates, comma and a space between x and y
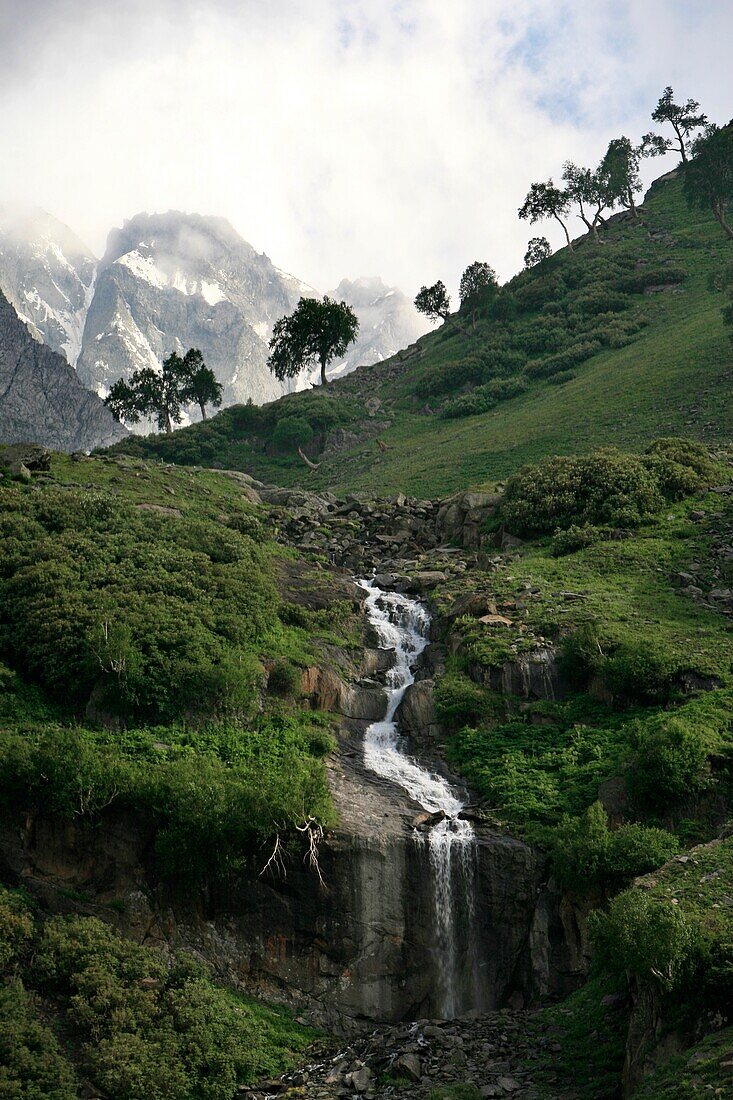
673, 377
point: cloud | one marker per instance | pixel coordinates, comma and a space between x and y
343, 137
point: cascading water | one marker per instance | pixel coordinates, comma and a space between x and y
402, 625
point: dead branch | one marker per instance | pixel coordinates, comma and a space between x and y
312, 465
276, 860
314, 833
382, 445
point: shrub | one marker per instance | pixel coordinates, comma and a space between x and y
671, 760
599, 299
562, 377
16, 926
681, 466
603, 487
635, 849
451, 376
32, 1066
291, 433
484, 398
649, 936
460, 702
284, 679
641, 671
576, 538
563, 360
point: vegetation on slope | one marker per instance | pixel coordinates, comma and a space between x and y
613, 344
79, 1002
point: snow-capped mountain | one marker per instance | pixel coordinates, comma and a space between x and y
170, 282
47, 274
174, 281
388, 321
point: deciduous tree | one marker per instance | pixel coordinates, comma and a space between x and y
708, 178
620, 169
684, 119
544, 201
316, 332
151, 393
588, 187
478, 278
433, 301
200, 386
538, 249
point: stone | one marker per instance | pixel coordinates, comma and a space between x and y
409, 1064
361, 1078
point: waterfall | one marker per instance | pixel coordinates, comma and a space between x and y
402, 625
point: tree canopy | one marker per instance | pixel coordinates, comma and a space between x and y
538, 249
316, 332
180, 381
684, 118
708, 178
478, 278
620, 169
433, 301
543, 201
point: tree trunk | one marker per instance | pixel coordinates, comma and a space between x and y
565, 231
718, 209
168, 422
324, 380
681, 140
202, 406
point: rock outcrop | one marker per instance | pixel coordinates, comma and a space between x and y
41, 398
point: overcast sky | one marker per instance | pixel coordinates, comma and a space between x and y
342, 137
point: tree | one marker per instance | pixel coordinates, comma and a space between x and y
200, 386
708, 178
538, 249
317, 332
620, 169
588, 186
151, 393
292, 433
433, 301
543, 201
683, 118
478, 278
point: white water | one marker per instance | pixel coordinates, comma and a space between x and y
402, 624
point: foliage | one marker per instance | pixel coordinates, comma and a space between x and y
647, 936
606, 486
149, 392
478, 282
538, 250
545, 200
576, 537
483, 398
672, 760
433, 301
684, 119
316, 332
140, 1026
587, 854
708, 177
292, 432
200, 386
620, 168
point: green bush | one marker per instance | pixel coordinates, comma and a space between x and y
460, 702
142, 1025
649, 936
641, 671
32, 1065
689, 468
451, 376
153, 615
563, 360
604, 487
562, 377
484, 397
635, 849
284, 679
671, 763
576, 538
291, 433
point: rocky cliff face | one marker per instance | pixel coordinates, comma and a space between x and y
48, 276
174, 281
41, 398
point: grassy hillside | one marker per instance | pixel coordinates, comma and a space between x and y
613, 344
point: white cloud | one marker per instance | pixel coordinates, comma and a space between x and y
343, 137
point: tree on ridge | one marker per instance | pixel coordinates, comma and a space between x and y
433, 301
684, 119
316, 332
543, 201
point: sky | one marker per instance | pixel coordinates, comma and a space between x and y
341, 137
